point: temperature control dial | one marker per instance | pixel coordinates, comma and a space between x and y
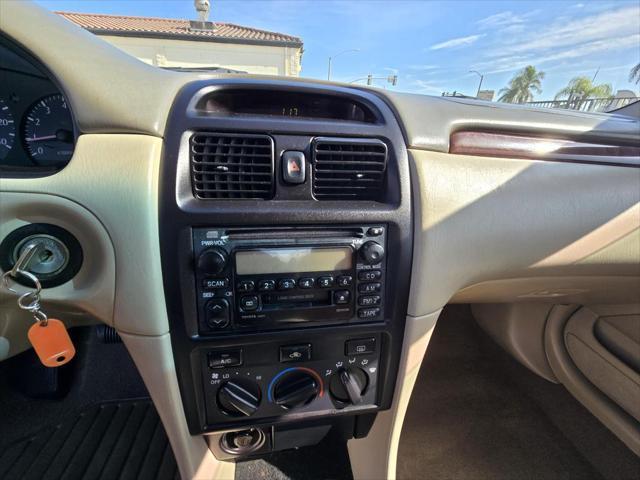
238, 398
348, 385
212, 261
296, 387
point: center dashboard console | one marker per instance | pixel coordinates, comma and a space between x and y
286, 252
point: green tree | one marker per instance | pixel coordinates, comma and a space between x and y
522, 86
634, 74
582, 88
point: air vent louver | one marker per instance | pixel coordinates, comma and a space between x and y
228, 166
349, 168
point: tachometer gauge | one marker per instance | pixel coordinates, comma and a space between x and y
7, 130
48, 131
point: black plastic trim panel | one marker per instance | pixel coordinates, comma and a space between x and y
292, 206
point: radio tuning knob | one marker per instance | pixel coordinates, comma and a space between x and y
212, 261
372, 252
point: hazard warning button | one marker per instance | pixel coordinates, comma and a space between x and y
293, 167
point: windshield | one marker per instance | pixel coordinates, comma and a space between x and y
571, 55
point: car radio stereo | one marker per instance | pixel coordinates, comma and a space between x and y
266, 278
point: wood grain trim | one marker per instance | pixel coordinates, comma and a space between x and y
506, 145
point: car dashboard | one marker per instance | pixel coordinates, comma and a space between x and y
274, 253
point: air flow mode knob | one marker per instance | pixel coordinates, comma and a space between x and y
372, 253
348, 385
212, 261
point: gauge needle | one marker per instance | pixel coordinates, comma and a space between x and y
37, 139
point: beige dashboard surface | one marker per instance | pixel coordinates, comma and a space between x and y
119, 95
481, 219
115, 178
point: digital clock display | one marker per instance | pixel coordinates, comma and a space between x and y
301, 105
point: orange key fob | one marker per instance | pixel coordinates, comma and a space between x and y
51, 343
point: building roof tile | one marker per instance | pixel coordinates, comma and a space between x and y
169, 27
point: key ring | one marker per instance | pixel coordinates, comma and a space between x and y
34, 305
11, 274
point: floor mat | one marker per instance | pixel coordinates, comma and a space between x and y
116, 440
476, 413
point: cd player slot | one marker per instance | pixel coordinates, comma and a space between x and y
305, 233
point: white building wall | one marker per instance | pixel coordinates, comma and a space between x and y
255, 59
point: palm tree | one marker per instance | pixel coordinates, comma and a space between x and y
635, 74
522, 85
582, 88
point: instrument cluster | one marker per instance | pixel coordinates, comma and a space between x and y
36, 125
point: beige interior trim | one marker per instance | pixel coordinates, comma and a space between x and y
121, 94
88, 298
606, 234
375, 456
562, 289
475, 215
115, 177
153, 357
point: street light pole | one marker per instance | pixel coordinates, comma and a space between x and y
481, 78
337, 54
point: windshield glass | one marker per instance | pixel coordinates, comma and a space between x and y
579, 55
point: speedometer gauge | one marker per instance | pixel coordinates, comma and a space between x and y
48, 131
7, 130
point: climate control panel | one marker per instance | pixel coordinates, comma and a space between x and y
330, 375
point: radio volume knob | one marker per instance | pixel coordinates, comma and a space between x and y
372, 252
212, 261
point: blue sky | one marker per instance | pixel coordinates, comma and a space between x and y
432, 45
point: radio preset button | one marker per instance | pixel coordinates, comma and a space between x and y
249, 303
246, 286
286, 284
369, 287
325, 282
369, 300
295, 353
368, 312
306, 282
215, 283
344, 280
340, 297
369, 275
217, 313
266, 285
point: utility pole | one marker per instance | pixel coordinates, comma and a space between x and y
481, 78
336, 55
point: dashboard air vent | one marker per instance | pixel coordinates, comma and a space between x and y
231, 166
349, 168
